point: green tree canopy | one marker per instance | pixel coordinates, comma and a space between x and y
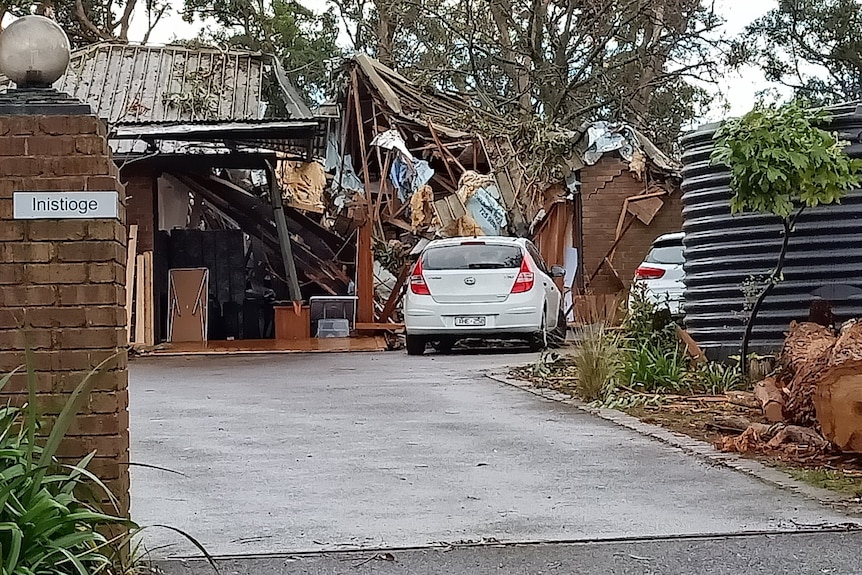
304, 42
812, 46
780, 161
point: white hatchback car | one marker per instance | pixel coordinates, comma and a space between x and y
662, 274
484, 287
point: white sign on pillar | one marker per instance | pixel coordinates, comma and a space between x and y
65, 205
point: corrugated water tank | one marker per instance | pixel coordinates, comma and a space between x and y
722, 251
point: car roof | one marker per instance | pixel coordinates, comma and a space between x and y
676, 236
494, 240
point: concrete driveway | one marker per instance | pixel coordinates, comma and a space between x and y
310, 452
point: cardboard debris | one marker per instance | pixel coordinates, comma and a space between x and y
302, 184
422, 208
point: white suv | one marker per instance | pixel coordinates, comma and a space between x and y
662, 274
484, 287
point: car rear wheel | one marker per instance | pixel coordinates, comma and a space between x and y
415, 345
539, 341
558, 337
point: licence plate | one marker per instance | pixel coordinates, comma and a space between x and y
471, 321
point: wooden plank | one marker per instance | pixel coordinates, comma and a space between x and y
399, 223
612, 248
360, 127
131, 254
397, 289
506, 183
619, 231
449, 209
149, 301
442, 153
384, 171
379, 326
365, 272
645, 209
139, 300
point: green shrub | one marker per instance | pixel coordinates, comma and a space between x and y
715, 378
638, 321
655, 367
47, 525
598, 360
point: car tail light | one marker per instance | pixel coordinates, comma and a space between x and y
525, 279
417, 280
648, 273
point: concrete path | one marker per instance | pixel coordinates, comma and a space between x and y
311, 452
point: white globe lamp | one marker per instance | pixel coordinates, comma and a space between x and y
34, 52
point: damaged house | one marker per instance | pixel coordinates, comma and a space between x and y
215, 149
412, 168
237, 231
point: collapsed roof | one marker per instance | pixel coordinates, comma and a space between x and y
437, 127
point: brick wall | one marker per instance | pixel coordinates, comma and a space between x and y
605, 186
62, 286
141, 194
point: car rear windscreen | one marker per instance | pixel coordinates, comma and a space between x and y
472, 257
665, 253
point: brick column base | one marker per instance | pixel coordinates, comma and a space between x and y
62, 286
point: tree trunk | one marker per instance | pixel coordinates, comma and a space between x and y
773, 279
838, 394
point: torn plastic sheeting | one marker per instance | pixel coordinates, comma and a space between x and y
572, 182
604, 137
392, 140
384, 281
407, 179
350, 184
333, 157
485, 208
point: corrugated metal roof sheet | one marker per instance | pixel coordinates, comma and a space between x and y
140, 84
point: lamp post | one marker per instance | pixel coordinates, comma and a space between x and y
34, 53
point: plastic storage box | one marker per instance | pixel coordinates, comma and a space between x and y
333, 328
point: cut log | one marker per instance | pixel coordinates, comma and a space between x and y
837, 395
771, 399
800, 436
743, 399
803, 342
732, 422
756, 436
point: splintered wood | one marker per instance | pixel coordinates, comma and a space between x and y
803, 357
771, 400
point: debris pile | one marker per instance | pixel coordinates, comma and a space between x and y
815, 397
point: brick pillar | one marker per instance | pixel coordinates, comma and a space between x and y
62, 285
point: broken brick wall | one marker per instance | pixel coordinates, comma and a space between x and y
62, 286
604, 188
